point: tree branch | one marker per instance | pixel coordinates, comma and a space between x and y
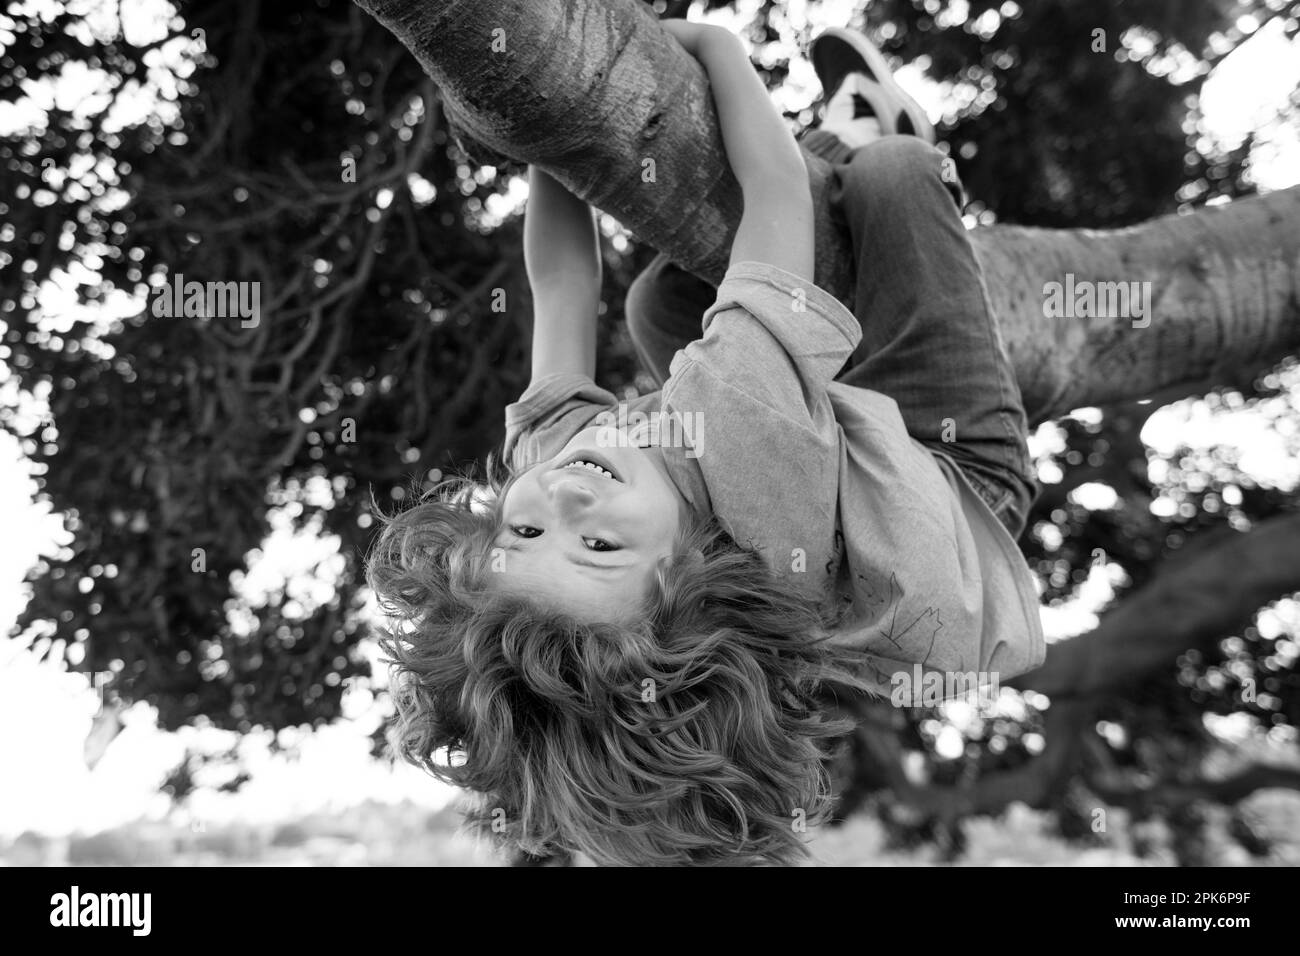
596, 93
1195, 598
1176, 793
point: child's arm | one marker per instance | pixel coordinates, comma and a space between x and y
562, 255
777, 225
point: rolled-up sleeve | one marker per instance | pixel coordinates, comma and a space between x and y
755, 386
779, 338
550, 412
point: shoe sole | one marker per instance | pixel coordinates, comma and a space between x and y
877, 68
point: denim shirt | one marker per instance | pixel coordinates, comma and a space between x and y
823, 480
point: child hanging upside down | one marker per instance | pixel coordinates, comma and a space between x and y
626, 649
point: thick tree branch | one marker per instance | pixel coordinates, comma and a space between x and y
597, 94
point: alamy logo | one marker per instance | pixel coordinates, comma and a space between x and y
1085, 299
667, 430
209, 300
926, 688
102, 909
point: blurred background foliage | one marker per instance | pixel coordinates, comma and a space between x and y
296, 144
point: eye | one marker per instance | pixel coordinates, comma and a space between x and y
525, 531
599, 544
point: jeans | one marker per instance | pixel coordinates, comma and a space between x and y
929, 339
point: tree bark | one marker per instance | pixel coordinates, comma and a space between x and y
595, 93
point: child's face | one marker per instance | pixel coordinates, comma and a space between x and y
585, 540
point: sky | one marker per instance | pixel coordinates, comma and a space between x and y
46, 713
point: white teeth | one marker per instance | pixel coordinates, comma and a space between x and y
590, 466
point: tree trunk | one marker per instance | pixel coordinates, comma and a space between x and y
594, 92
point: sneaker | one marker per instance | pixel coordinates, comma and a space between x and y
863, 101
855, 112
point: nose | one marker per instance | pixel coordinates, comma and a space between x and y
570, 495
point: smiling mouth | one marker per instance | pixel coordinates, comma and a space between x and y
589, 461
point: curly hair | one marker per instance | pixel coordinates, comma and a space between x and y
691, 736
